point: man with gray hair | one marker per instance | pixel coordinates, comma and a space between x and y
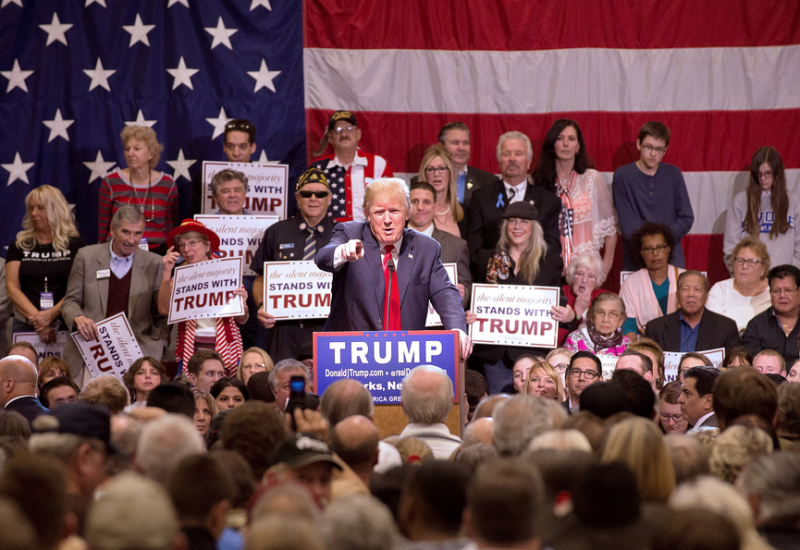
489, 202
280, 382
771, 485
427, 399
18, 379
163, 443
517, 421
111, 278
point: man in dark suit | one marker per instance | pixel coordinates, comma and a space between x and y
696, 399
693, 327
18, 378
514, 153
362, 257
454, 249
456, 138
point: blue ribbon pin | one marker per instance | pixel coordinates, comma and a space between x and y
500, 202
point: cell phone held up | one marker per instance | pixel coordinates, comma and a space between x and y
297, 397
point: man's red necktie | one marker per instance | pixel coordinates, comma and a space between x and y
391, 312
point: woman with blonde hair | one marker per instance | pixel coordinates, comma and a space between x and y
205, 408
436, 169
544, 381
638, 443
153, 193
253, 360
39, 260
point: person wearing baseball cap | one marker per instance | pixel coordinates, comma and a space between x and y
306, 459
518, 260
349, 169
296, 239
196, 243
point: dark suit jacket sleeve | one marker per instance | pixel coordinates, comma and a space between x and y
480, 249
750, 338
73, 300
464, 276
728, 328
324, 257
549, 210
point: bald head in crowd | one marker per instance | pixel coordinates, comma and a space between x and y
18, 377
355, 441
427, 395
346, 398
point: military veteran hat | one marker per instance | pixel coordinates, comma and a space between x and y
312, 175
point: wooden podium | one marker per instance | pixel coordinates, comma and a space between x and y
380, 361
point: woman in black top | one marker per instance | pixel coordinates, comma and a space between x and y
39, 261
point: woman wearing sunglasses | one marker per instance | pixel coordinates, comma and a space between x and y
294, 240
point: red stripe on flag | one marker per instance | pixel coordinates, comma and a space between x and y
521, 25
701, 141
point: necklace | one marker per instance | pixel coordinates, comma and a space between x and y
443, 213
142, 204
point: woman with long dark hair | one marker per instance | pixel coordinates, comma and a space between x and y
765, 211
588, 223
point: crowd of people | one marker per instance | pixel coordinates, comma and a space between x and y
556, 452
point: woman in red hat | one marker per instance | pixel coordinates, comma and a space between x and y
196, 243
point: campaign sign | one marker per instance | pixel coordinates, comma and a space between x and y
239, 236
267, 182
297, 290
673, 358
514, 315
380, 360
115, 351
609, 362
433, 319
55, 349
205, 289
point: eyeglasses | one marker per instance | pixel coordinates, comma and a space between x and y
782, 291
584, 275
344, 130
254, 366
309, 194
753, 262
765, 175
651, 149
561, 367
671, 417
588, 374
654, 249
190, 244
434, 169
610, 315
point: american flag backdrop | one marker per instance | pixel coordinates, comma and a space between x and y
724, 75
75, 72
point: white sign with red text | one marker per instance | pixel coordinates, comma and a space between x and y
514, 315
53, 349
239, 236
297, 290
205, 289
267, 182
114, 352
673, 358
433, 319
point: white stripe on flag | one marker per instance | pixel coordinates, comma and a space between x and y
581, 79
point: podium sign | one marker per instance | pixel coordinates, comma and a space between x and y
380, 360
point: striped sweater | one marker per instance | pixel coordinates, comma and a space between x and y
160, 208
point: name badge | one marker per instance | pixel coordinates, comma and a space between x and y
143, 244
46, 300
103, 273
286, 245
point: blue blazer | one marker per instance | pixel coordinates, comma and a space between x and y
29, 407
358, 289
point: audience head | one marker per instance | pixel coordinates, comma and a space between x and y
636, 361
769, 361
604, 399
651, 349
106, 390
306, 459
455, 137
58, 391
201, 491
173, 397
163, 443
784, 281
696, 399
344, 398
696, 529
476, 388
585, 271
26, 350
240, 140
427, 395
689, 457
520, 370
259, 388
205, 409
204, 368
655, 129
280, 379
544, 381
606, 315
637, 391
789, 410
145, 374
283, 532
342, 132
559, 358
689, 360
17, 378
517, 421
486, 406
737, 357
14, 424
655, 244
253, 360
584, 370
358, 522
771, 485
433, 501
355, 440
563, 141
22, 536
744, 391
436, 168
514, 154
734, 448
253, 430
144, 139
229, 393
229, 189
46, 209
767, 174
693, 289
671, 419
423, 199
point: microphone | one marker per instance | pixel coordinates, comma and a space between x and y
390, 265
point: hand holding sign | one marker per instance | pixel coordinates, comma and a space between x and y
86, 328
267, 320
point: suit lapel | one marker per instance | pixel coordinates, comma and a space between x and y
406, 264
103, 262
372, 254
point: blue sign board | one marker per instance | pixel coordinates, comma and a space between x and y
380, 360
